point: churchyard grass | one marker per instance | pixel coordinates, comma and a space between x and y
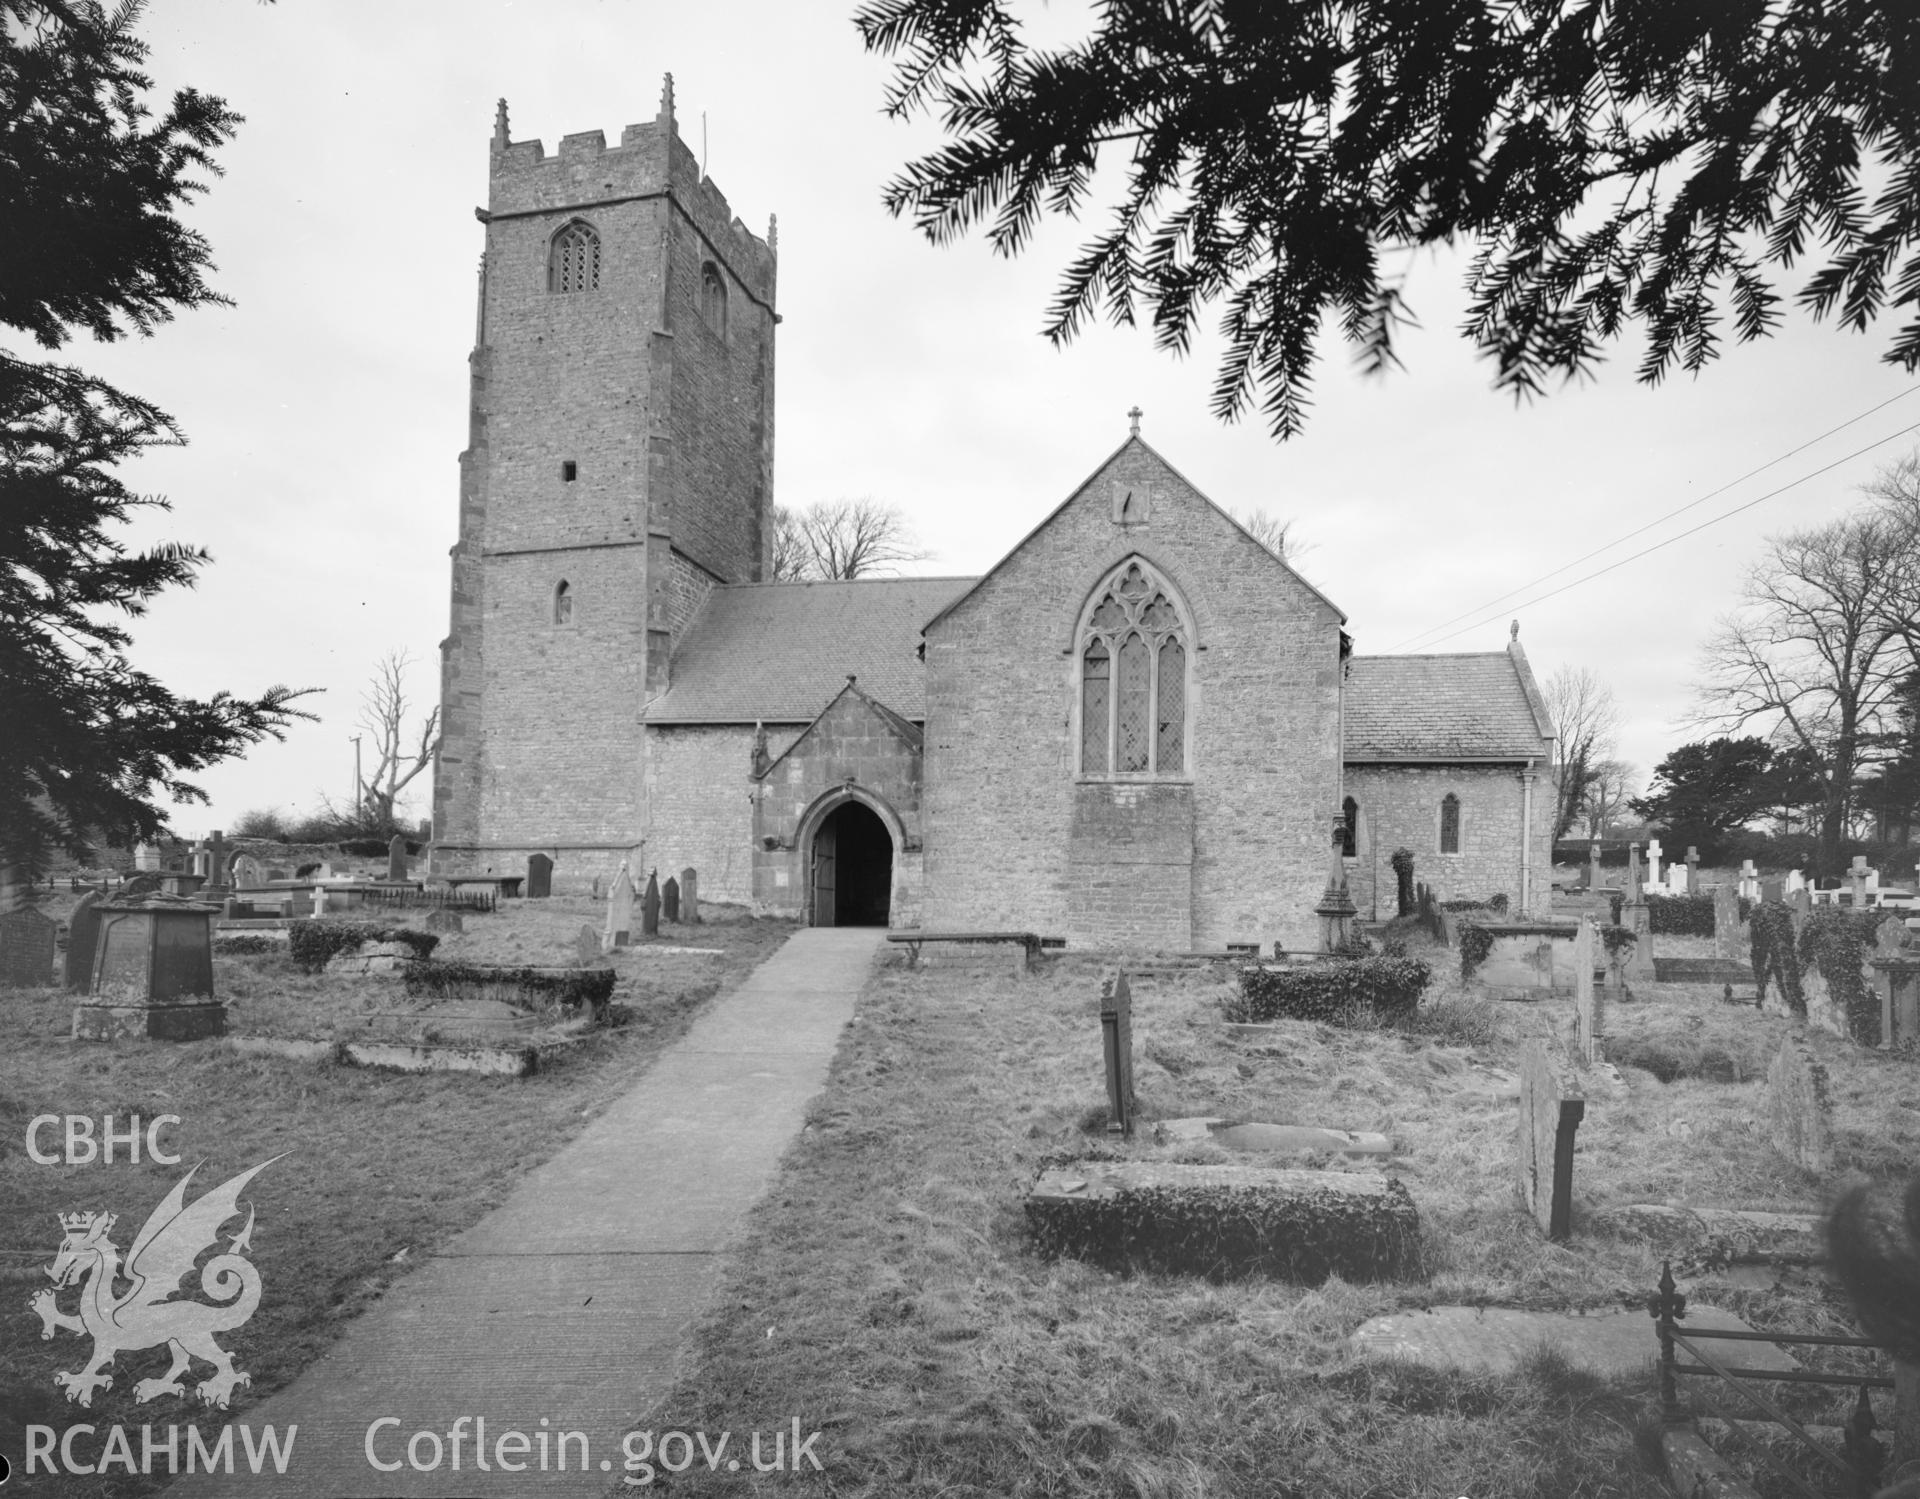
887, 1296
377, 1168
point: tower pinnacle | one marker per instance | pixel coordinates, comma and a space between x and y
500, 137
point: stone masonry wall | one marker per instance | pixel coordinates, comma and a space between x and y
1400, 807
698, 784
1263, 701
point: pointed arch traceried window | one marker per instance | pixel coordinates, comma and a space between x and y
1132, 660
1449, 824
573, 260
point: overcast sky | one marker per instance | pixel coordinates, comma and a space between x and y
327, 407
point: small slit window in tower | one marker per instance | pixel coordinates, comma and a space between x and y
1349, 828
574, 264
1449, 824
713, 298
569, 471
563, 604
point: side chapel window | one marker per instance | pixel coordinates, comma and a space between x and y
573, 263
1449, 824
1133, 681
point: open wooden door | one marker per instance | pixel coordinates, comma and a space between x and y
823, 874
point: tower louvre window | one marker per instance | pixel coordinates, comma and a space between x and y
574, 261
1133, 679
713, 298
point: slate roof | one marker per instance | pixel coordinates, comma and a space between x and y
1483, 706
780, 652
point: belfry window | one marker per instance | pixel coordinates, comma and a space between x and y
1449, 824
573, 262
713, 299
1133, 680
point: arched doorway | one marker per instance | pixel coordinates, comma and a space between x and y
851, 876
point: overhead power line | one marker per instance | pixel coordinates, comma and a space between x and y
1659, 521
1482, 622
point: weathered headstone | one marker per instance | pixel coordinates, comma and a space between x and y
219, 868
690, 896
1890, 935
146, 856
26, 949
1693, 868
1633, 871
1749, 880
1589, 1008
618, 931
1726, 924
1116, 1036
248, 873
670, 899
1773, 888
1551, 1108
1653, 861
83, 932
319, 900
1593, 865
1857, 874
650, 906
197, 860
586, 947
1800, 1108
442, 920
1802, 907
539, 877
593, 890
396, 858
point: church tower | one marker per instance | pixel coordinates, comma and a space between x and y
619, 465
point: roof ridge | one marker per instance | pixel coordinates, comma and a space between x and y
849, 582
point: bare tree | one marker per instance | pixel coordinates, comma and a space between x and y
1586, 722
1272, 533
844, 539
1817, 650
788, 563
396, 758
1612, 783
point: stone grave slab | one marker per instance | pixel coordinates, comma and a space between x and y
1076, 1208
1495, 1340
690, 896
539, 877
1711, 972
442, 921
26, 949
1589, 1012
1728, 936
1799, 1108
1551, 1108
670, 899
586, 947
1258, 1138
396, 858
1746, 1233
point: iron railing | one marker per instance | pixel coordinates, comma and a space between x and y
1862, 1457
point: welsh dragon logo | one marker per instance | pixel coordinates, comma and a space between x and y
145, 1315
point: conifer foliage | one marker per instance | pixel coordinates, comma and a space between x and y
1611, 162
90, 184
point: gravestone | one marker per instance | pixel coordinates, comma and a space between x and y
1858, 875
1653, 861
593, 890
618, 931
670, 899
1726, 924
319, 900
247, 872
1749, 880
1693, 869
146, 857
1800, 1108
539, 877
1773, 888
650, 906
1551, 1108
690, 896
1636, 966
586, 947
396, 858
26, 949
1116, 1038
83, 932
219, 867
442, 920
1633, 871
1890, 935
1593, 865
1589, 1012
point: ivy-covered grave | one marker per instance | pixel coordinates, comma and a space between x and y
1847, 973
1517, 957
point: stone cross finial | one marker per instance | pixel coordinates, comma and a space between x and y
500, 137
1513, 630
1133, 421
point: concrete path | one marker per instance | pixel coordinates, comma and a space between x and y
564, 1309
